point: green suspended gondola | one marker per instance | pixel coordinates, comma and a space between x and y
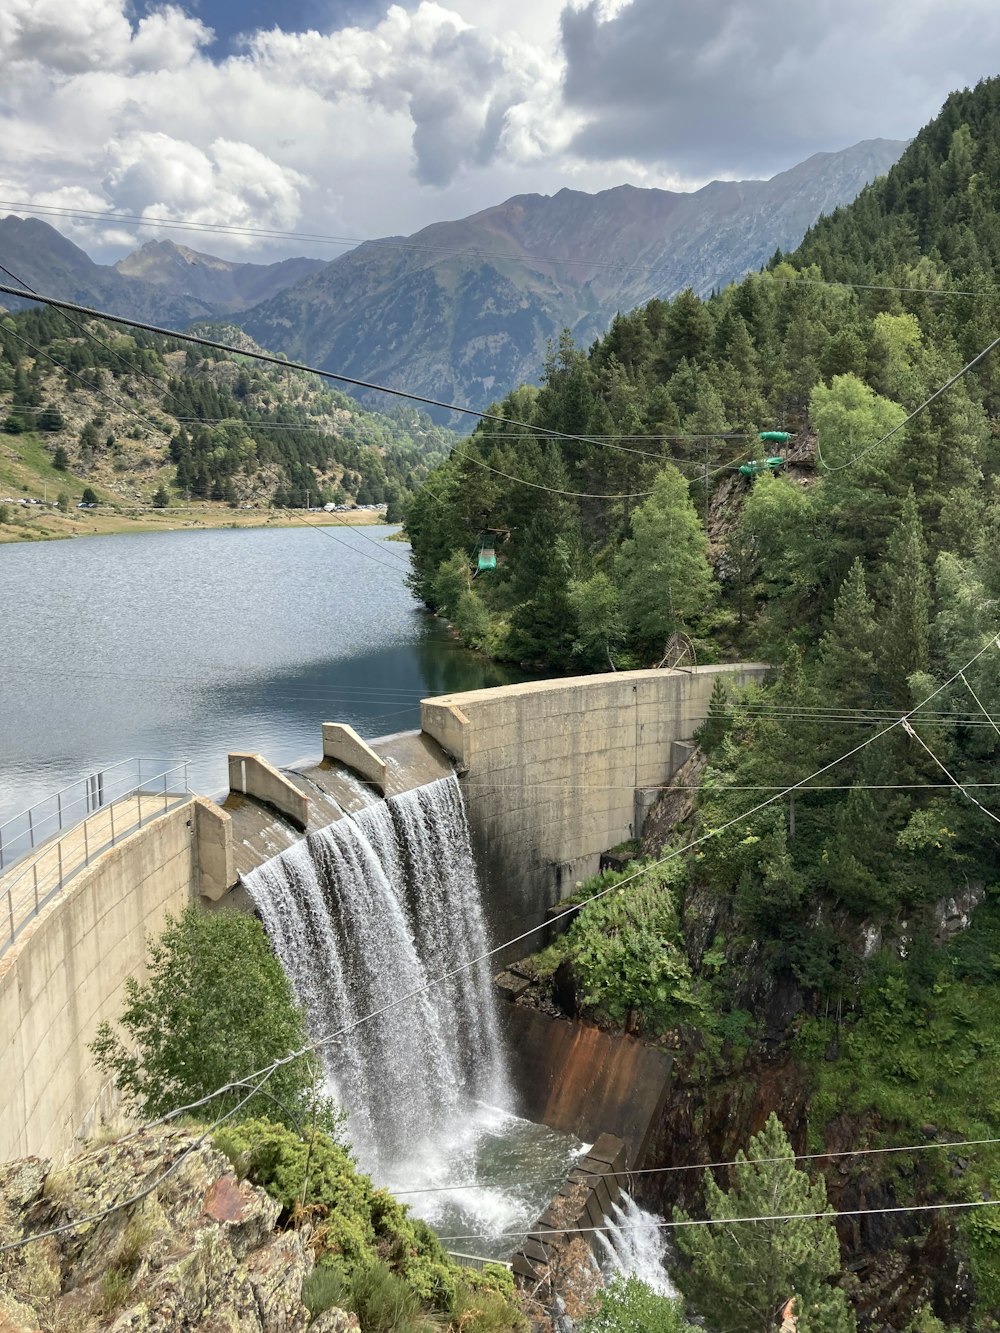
774, 436
487, 558
761, 465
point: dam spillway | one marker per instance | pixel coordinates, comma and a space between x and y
366, 915
378, 921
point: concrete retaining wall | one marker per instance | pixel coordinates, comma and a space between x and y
252, 775
583, 1203
550, 771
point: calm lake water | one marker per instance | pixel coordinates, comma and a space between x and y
191, 644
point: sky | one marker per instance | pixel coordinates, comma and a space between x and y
357, 118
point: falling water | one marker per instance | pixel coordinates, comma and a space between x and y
635, 1244
369, 911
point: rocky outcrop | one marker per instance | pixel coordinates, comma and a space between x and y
199, 1252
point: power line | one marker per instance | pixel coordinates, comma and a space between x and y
839, 467
326, 1039
707, 1166
130, 411
982, 706
917, 737
270, 359
877, 287
322, 238
89, 333
387, 242
831, 1213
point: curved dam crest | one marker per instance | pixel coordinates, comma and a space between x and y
553, 773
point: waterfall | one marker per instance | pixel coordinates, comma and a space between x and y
634, 1244
364, 912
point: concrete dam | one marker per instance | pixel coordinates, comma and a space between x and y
551, 773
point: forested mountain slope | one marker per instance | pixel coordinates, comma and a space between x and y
835, 948
142, 419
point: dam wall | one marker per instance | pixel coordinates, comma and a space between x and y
65, 974
556, 772
553, 774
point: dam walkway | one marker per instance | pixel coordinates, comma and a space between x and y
35, 879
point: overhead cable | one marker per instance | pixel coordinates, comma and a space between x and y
831, 1213
839, 467
917, 737
578, 1174
542, 432
113, 216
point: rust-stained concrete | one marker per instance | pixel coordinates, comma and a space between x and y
571, 1076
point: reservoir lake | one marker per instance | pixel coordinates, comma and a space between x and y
186, 645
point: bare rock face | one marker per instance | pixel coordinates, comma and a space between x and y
199, 1252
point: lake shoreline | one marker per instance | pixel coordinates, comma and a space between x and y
34, 524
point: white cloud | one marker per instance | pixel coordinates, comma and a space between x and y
357, 130
438, 108
86, 35
155, 176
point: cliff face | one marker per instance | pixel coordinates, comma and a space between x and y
199, 1253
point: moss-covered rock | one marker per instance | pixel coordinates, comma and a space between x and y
199, 1252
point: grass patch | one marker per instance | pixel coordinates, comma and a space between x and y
324, 1289
112, 1292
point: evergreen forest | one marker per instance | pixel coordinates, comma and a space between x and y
148, 419
842, 939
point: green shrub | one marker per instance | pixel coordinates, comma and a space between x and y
215, 1004
627, 1305
324, 1289
356, 1225
384, 1303
628, 952
485, 1303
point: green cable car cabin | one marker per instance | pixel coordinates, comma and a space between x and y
761, 465
487, 558
766, 464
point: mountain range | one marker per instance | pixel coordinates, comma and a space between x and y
462, 310
161, 282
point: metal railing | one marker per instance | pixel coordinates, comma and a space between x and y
75, 846
23, 832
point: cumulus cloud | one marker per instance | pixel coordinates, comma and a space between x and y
155, 176
437, 108
297, 128
96, 35
748, 86
458, 86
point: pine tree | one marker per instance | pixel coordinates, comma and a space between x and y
847, 649
741, 1275
666, 578
906, 603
